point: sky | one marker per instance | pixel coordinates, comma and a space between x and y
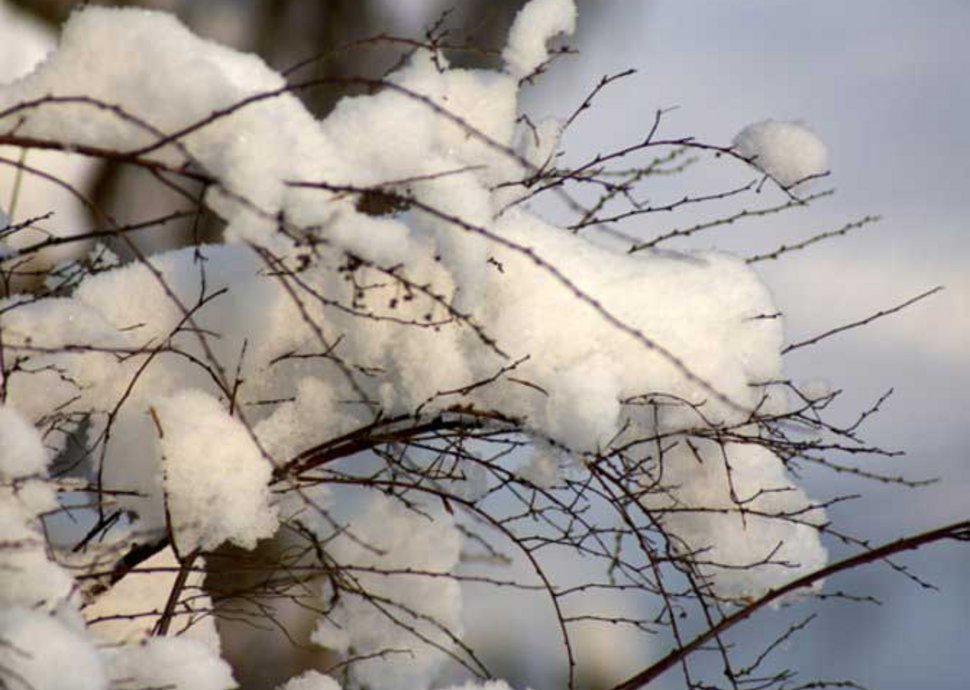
883, 83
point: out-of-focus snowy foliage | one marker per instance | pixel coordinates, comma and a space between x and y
196, 378
41, 650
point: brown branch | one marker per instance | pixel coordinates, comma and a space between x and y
787, 248
862, 322
162, 625
959, 531
605, 81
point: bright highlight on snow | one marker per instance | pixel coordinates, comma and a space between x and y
196, 375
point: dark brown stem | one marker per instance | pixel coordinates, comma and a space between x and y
185, 567
958, 530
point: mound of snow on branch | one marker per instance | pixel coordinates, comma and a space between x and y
192, 374
788, 152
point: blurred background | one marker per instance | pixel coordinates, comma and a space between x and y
883, 82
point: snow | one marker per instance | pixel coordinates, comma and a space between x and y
216, 479
27, 576
385, 536
486, 685
534, 25
127, 309
720, 343
178, 663
788, 152
26, 42
311, 680
585, 364
135, 59
544, 466
372, 316
22, 451
39, 651
734, 505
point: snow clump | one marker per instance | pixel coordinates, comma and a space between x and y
734, 506
388, 536
534, 25
168, 662
38, 650
216, 479
311, 680
192, 374
22, 452
788, 152
28, 577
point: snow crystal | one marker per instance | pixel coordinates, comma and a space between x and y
534, 26
788, 152
37, 651
216, 479
169, 662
